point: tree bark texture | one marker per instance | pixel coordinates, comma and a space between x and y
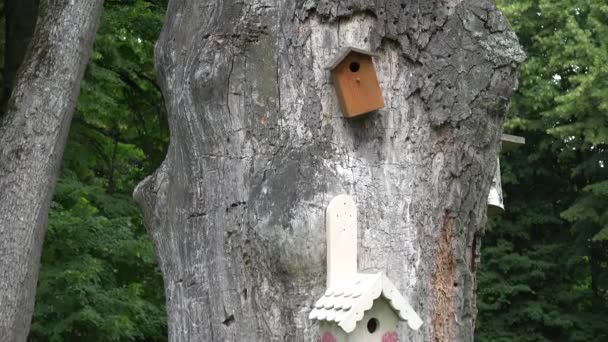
259, 147
32, 138
20, 21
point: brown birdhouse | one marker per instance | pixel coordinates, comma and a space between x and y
356, 82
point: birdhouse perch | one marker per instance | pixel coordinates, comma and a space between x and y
356, 83
356, 307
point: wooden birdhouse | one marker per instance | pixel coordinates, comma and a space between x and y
495, 200
356, 307
356, 83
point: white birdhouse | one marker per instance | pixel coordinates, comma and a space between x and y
495, 201
356, 307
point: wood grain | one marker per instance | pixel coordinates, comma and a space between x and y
359, 91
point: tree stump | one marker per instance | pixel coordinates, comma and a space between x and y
259, 147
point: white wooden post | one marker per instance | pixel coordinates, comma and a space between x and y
341, 226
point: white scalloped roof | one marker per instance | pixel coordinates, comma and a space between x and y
346, 303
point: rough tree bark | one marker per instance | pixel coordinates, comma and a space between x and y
259, 148
32, 137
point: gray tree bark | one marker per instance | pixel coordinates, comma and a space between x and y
32, 138
259, 148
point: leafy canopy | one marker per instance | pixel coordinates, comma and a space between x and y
544, 274
99, 279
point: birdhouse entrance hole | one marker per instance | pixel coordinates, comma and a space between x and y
354, 66
372, 325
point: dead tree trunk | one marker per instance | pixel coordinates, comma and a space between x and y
259, 147
32, 137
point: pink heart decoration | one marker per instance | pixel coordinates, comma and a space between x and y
390, 336
328, 337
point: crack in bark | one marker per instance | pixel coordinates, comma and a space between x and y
228, 320
444, 265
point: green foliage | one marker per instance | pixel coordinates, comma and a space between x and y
119, 98
544, 274
99, 279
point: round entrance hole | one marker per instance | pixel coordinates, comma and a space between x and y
372, 325
354, 66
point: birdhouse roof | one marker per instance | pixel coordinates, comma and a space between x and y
510, 142
345, 304
345, 52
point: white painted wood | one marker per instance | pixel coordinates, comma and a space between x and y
495, 198
495, 201
334, 330
347, 303
387, 322
351, 294
341, 226
400, 304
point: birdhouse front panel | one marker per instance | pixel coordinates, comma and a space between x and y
379, 324
357, 85
331, 332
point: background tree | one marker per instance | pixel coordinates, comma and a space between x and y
32, 137
99, 279
259, 148
544, 274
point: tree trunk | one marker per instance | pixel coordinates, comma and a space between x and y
32, 139
259, 147
20, 21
